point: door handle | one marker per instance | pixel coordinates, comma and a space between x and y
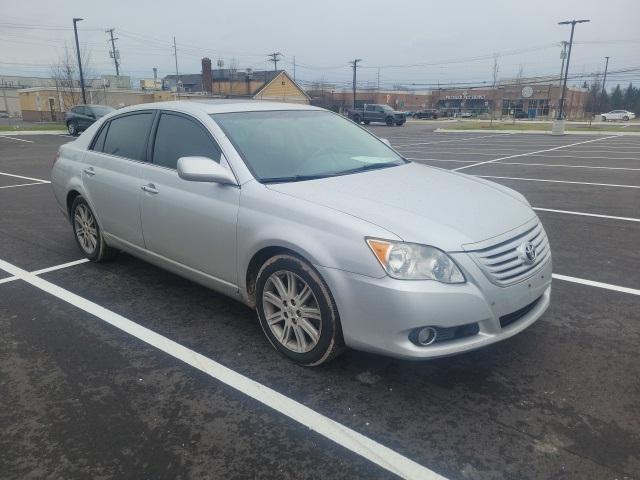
150, 188
89, 171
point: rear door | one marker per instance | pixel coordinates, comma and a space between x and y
193, 223
112, 177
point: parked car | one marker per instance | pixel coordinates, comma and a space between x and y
465, 114
81, 117
428, 113
618, 115
521, 114
377, 113
313, 221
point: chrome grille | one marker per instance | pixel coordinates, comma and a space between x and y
502, 262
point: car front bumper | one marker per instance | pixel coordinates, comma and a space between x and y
379, 314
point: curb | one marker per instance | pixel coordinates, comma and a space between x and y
537, 132
33, 132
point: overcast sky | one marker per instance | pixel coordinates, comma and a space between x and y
444, 39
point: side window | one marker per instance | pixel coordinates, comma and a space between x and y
127, 136
81, 110
98, 144
371, 108
177, 137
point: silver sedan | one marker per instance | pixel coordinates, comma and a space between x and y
330, 234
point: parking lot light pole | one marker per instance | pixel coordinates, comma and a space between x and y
566, 67
75, 31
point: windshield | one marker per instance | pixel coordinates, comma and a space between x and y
299, 145
101, 111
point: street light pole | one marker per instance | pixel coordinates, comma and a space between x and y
566, 68
75, 31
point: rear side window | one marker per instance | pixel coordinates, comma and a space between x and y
177, 137
127, 136
98, 144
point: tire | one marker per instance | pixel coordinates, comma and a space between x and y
308, 339
604, 119
356, 118
367, 122
389, 121
87, 232
72, 128
625, 118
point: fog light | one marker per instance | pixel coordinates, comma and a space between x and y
426, 336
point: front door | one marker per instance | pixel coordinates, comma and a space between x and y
192, 223
112, 176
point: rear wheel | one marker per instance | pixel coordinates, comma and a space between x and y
297, 312
625, 118
72, 128
604, 119
87, 232
389, 121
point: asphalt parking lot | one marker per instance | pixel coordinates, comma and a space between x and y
85, 393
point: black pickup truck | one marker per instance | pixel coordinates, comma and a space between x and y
377, 113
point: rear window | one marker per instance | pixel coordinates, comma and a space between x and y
98, 143
127, 136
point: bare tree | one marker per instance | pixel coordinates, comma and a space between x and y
496, 69
66, 77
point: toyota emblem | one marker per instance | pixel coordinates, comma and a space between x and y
528, 252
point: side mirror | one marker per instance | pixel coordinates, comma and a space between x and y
204, 169
386, 141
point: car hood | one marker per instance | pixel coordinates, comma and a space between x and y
419, 203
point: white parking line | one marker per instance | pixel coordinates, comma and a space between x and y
334, 431
23, 185
532, 153
591, 283
47, 270
554, 181
24, 178
585, 214
559, 165
16, 139
449, 141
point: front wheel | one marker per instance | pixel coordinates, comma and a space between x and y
297, 312
72, 128
87, 232
625, 118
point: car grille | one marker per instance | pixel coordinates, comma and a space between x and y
512, 317
502, 262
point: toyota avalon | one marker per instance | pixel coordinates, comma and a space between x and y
332, 236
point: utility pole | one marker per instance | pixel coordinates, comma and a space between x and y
604, 79
113, 53
354, 64
75, 31
175, 54
274, 57
566, 68
563, 56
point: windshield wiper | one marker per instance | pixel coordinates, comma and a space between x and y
299, 178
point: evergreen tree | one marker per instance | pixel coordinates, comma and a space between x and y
629, 98
616, 98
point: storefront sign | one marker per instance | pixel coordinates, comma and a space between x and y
464, 97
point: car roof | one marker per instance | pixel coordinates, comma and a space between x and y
220, 106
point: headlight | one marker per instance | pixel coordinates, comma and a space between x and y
411, 261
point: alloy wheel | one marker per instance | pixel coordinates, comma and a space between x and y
292, 311
85, 227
